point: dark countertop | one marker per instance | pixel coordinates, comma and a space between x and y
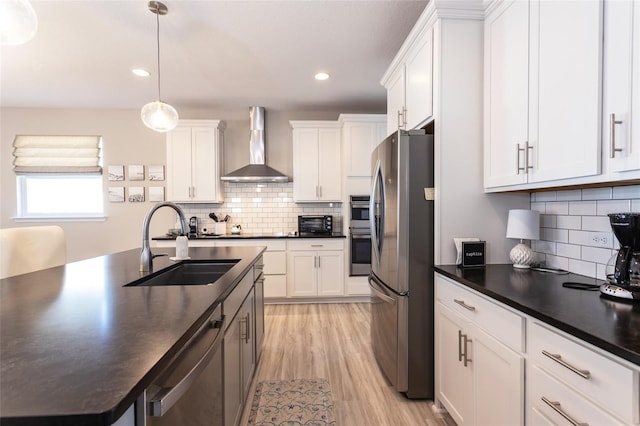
78, 348
249, 236
609, 324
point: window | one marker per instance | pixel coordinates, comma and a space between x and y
58, 177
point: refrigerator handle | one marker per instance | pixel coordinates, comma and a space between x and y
377, 233
378, 291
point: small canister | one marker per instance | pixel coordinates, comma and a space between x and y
182, 247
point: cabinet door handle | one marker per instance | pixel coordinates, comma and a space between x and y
460, 345
248, 325
585, 374
320, 191
243, 329
527, 147
518, 168
402, 118
464, 305
612, 135
555, 405
465, 352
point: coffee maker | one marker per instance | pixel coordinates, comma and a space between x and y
623, 270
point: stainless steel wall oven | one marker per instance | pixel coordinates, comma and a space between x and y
359, 236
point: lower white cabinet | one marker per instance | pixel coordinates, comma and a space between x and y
484, 350
479, 379
567, 379
315, 268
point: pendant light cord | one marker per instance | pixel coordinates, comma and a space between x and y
158, 46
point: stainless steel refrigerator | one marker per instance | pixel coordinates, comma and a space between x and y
401, 279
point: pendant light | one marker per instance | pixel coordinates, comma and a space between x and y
157, 115
18, 22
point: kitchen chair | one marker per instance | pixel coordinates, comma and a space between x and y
31, 248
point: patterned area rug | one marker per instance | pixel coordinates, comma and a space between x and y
292, 402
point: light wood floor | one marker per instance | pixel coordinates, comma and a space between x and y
332, 341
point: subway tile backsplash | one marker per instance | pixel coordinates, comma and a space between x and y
574, 227
263, 208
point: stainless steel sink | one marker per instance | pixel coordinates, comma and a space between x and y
188, 273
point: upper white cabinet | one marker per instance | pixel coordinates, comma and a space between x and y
621, 112
542, 91
409, 84
194, 162
361, 133
317, 161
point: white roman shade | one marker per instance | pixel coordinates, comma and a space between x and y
56, 154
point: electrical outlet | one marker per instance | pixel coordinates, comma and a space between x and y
602, 239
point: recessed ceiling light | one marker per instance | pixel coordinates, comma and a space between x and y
140, 72
321, 76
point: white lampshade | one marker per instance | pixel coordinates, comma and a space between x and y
523, 225
18, 22
159, 116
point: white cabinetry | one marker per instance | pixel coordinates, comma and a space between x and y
542, 91
410, 84
566, 379
315, 268
194, 162
316, 161
479, 347
621, 112
361, 133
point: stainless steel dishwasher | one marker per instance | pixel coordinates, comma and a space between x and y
190, 390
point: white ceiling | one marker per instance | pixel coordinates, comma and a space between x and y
214, 54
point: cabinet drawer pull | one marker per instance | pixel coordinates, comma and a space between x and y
612, 135
464, 305
558, 358
317, 245
555, 405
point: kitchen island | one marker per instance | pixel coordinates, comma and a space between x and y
79, 347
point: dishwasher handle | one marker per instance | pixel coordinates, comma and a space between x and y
166, 397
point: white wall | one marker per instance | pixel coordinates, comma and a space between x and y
126, 141
462, 207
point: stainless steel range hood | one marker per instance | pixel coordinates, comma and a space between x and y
256, 170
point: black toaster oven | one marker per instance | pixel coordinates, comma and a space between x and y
315, 225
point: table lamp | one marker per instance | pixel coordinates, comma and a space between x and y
523, 225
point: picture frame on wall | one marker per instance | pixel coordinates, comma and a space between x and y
136, 172
116, 194
136, 194
156, 193
116, 172
156, 172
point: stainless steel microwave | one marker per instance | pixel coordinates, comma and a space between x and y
315, 225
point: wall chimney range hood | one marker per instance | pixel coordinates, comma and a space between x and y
256, 170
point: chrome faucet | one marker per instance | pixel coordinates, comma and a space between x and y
146, 258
